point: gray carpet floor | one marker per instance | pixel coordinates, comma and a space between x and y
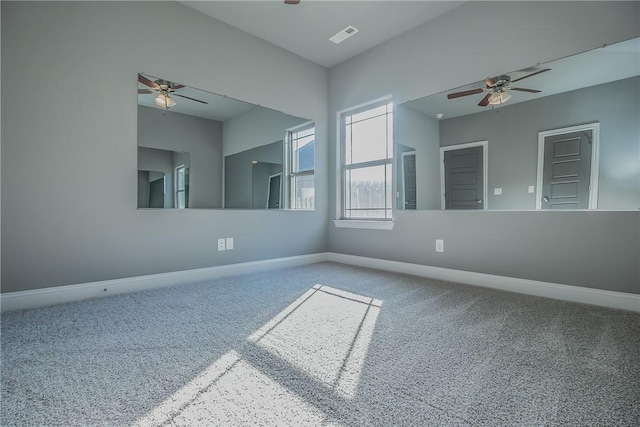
324, 344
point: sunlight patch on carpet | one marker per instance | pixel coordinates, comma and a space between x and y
326, 334
233, 392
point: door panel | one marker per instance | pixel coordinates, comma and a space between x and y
274, 192
409, 188
463, 177
567, 170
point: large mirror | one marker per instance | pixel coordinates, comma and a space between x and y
559, 135
200, 150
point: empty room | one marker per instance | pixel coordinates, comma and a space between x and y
322, 213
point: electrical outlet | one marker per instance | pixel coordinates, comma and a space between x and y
221, 245
439, 245
497, 191
532, 189
229, 243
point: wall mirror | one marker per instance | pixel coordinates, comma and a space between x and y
200, 150
559, 135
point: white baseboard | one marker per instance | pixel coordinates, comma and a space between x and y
604, 298
60, 294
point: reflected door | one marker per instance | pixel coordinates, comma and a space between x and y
274, 192
567, 170
156, 193
463, 178
409, 180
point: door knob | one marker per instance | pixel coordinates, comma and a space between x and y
479, 201
545, 199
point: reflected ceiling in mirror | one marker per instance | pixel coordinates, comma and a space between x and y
238, 154
566, 136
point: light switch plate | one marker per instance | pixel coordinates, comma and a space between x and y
439, 245
229, 243
497, 191
532, 189
221, 245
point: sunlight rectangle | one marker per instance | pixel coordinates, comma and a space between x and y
325, 334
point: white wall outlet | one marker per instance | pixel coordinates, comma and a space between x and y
439, 245
221, 245
229, 243
532, 189
497, 191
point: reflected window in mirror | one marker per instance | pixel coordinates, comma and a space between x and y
367, 155
301, 143
182, 187
216, 152
566, 137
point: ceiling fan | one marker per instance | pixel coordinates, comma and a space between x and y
164, 89
496, 89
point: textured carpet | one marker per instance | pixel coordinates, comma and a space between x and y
323, 344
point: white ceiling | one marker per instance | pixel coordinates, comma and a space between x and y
304, 29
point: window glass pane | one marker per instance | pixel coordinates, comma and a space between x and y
368, 192
306, 132
347, 145
304, 156
180, 179
377, 111
181, 204
369, 140
304, 192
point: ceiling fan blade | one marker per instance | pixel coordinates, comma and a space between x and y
464, 93
145, 81
485, 100
525, 90
177, 86
143, 91
186, 97
531, 75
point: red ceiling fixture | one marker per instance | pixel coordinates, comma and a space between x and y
291, 1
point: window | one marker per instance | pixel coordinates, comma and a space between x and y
302, 161
181, 186
367, 155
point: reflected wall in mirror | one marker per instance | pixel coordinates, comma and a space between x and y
201, 150
561, 135
163, 178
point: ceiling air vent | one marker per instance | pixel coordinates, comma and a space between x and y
344, 34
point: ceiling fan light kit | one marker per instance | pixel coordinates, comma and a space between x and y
498, 98
164, 100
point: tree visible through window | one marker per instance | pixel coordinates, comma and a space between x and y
367, 144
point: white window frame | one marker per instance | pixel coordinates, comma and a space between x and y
289, 167
341, 168
175, 183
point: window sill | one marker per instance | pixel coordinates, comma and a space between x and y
371, 225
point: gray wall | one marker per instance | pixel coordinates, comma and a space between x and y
513, 141
56, 228
592, 249
256, 127
422, 133
239, 175
199, 137
156, 160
